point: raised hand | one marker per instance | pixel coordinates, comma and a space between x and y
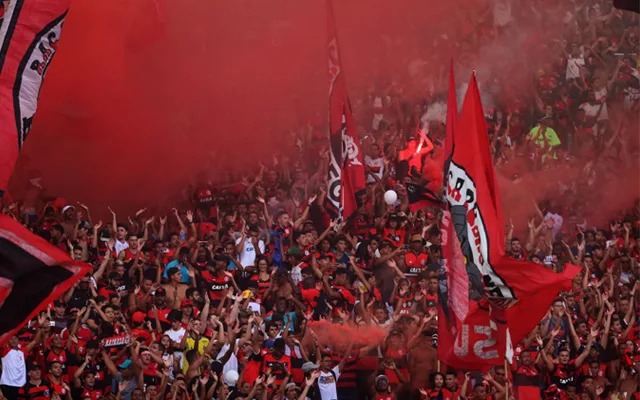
140, 211
111, 211
189, 216
312, 199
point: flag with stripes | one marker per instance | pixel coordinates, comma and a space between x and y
491, 299
33, 273
29, 36
346, 180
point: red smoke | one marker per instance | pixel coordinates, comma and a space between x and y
339, 336
136, 103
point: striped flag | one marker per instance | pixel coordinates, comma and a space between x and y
33, 273
491, 299
346, 180
29, 36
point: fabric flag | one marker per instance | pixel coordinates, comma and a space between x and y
629, 5
453, 284
506, 297
29, 37
33, 273
346, 180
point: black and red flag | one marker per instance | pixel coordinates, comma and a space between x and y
346, 180
29, 37
629, 5
504, 298
33, 273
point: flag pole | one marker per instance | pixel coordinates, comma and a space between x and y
506, 375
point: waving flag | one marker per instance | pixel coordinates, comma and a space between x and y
505, 298
629, 5
29, 37
346, 170
454, 285
33, 273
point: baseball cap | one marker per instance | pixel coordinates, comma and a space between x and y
309, 366
291, 386
138, 317
186, 303
381, 377
84, 224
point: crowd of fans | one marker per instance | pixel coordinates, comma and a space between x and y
220, 298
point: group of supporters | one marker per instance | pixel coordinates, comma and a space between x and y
233, 294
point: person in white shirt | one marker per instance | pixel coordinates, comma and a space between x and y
329, 376
374, 164
14, 368
249, 247
176, 334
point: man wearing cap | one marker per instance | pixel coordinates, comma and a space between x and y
416, 259
127, 375
138, 329
36, 388
160, 309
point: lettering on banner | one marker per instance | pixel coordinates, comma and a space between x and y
482, 342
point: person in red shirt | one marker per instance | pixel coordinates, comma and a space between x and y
380, 389
416, 259
36, 388
58, 380
277, 361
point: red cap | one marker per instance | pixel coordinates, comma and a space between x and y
186, 303
138, 317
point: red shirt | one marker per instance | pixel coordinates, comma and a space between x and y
415, 263
91, 394
277, 365
216, 284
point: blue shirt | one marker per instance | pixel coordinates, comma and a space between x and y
184, 271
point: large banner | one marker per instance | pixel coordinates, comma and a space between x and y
489, 299
346, 170
29, 37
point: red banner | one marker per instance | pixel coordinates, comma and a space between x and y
29, 38
506, 298
33, 273
346, 170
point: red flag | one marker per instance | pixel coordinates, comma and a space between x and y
507, 297
29, 37
453, 280
346, 171
33, 273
